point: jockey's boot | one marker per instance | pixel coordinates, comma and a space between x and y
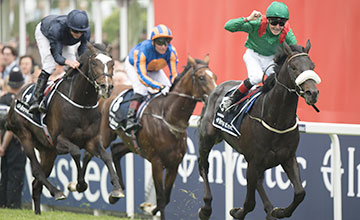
39, 93
132, 123
236, 95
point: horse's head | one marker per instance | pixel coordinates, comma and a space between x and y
198, 78
100, 71
301, 71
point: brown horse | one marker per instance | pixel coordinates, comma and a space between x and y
269, 132
162, 139
73, 121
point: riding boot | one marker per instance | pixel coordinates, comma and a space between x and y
132, 123
236, 95
39, 92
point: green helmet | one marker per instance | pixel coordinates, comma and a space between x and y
278, 10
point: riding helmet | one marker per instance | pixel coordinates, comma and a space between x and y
78, 20
277, 10
160, 31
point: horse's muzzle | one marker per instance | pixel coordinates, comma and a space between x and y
105, 90
311, 96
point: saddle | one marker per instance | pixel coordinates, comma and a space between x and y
120, 106
230, 120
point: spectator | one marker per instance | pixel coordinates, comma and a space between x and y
10, 56
26, 64
13, 157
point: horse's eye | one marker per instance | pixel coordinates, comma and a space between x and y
201, 77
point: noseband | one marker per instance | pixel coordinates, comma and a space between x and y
300, 79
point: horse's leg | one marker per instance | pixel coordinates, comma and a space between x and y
205, 145
96, 148
268, 206
157, 172
170, 177
249, 204
47, 163
64, 146
291, 168
118, 150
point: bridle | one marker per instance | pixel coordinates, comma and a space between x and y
92, 79
194, 83
176, 129
301, 78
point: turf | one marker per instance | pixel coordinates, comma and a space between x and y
26, 214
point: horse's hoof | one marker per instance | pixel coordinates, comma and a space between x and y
72, 186
278, 213
81, 187
113, 200
147, 207
59, 196
115, 195
270, 217
154, 211
204, 215
236, 212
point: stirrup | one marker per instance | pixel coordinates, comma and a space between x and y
34, 108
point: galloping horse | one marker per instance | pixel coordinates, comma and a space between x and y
73, 120
269, 132
162, 139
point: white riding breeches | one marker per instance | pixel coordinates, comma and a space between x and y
140, 88
256, 64
47, 60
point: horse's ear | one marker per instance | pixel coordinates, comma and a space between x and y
307, 47
207, 59
287, 49
191, 61
91, 47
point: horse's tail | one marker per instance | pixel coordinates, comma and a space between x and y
4, 110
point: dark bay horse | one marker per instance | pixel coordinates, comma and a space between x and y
269, 132
73, 121
162, 139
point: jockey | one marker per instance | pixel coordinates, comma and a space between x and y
265, 34
144, 68
58, 38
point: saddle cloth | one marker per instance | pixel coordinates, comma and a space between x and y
230, 121
38, 119
120, 106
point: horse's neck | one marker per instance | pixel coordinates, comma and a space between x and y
280, 105
80, 90
178, 110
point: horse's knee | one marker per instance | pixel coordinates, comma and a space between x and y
299, 196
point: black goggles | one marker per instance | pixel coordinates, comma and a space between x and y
162, 41
275, 22
75, 31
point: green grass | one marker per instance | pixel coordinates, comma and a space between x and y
26, 214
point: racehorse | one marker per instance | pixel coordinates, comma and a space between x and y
162, 138
269, 131
73, 120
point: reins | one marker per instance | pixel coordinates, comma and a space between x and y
171, 127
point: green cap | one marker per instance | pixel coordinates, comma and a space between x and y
278, 10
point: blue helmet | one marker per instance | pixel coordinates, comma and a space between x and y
78, 20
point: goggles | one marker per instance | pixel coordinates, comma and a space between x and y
75, 31
162, 41
275, 22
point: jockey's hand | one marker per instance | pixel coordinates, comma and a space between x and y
254, 15
72, 63
165, 90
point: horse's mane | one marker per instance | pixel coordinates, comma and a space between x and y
186, 69
87, 53
280, 59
